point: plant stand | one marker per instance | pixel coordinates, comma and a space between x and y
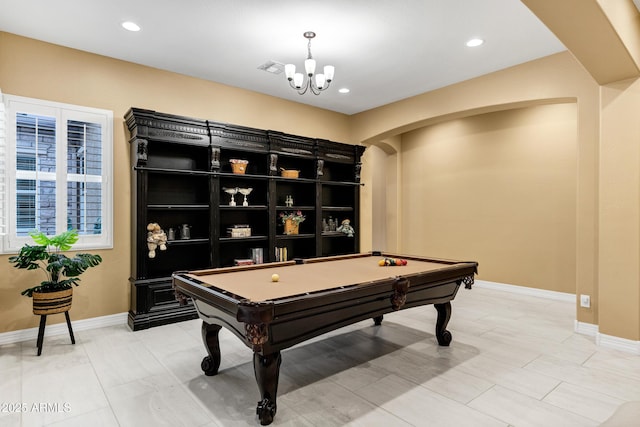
43, 322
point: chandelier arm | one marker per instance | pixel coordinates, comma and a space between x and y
315, 89
303, 91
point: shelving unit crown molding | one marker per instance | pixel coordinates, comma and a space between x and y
147, 125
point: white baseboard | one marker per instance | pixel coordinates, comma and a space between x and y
617, 343
61, 328
523, 290
582, 328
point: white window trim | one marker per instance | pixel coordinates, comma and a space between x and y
3, 175
9, 243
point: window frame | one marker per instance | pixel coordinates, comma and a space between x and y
62, 112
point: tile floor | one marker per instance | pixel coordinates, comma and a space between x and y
514, 361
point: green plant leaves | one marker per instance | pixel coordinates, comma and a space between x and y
28, 257
62, 271
62, 242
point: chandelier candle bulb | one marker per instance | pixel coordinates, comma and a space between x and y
310, 66
289, 71
329, 70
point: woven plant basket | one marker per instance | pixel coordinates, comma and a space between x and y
52, 302
291, 227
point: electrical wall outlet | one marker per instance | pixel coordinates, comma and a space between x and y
585, 301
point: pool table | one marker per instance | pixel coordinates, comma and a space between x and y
312, 297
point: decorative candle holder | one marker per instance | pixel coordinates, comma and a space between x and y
232, 192
245, 192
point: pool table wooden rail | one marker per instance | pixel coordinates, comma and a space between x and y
298, 318
268, 327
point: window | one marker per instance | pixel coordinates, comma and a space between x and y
58, 162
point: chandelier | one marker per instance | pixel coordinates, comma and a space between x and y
315, 85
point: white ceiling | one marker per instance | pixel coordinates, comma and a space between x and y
383, 50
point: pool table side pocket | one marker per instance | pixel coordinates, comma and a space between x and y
256, 317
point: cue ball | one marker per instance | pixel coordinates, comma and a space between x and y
275, 277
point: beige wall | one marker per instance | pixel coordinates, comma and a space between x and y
498, 188
556, 80
619, 249
41, 70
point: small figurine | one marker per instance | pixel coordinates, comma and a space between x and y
289, 201
156, 238
346, 228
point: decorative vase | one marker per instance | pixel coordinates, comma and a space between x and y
52, 302
291, 227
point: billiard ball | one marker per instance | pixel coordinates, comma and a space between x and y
275, 277
392, 262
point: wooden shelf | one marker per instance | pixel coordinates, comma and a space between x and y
294, 208
172, 171
338, 208
179, 207
180, 242
243, 239
244, 208
295, 236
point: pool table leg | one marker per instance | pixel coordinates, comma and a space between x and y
211, 363
444, 313
267, 370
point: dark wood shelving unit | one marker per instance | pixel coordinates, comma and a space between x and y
181, 166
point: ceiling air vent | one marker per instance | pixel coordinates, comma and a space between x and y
272, 67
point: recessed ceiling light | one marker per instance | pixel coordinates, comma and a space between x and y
475, 42
343, 90
130, 26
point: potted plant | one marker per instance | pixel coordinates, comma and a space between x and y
53, 295
291, 221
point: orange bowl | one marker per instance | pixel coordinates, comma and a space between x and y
289, 173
